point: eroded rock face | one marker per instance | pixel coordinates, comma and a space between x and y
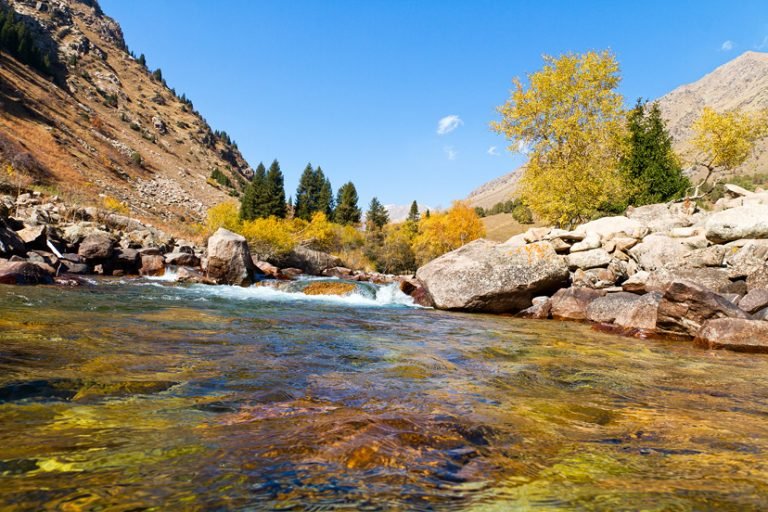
735, 223
686, 305
754, 301
736, 334
229, 259
641, 314
491, 277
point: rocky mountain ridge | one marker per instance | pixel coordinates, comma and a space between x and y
741, 83
102, 127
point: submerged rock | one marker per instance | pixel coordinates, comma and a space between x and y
491, 277
329, 288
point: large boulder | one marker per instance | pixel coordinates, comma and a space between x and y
572, 303
229, 259
659, 251
715, 279
182, 259
486, 276
734, 334
736, 223
686, 305
34, 236
594, 258
152, 265
312, 262
96, 246
754, 301
23, 272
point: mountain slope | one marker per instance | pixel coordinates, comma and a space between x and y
102, 126
741, 83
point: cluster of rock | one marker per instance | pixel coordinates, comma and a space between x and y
664, 269
43, 241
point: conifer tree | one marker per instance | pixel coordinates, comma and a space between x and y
324, 194
347, 212
650, 163
305, 194
251, 202
376, 217
413, 213
275, 192
142, 60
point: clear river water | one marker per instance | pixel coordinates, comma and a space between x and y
134, 395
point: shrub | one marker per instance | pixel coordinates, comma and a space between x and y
115, 205
136, 159
269, 237
224, 215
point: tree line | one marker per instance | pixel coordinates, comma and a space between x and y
264, 197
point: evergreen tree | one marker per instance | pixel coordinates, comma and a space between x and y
347, 212
275, 192
376, 217
304, 205
324, 194
158, 74
413, 213
251, 203
142, 60
650, 164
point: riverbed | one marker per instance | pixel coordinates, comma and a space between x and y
142, 394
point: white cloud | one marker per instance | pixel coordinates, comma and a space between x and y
763, 45
450, 152
727, 46
493, 151
448, 124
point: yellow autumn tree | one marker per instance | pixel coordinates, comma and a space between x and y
443, 232
724, 140
269, 237
225, 215
571, 121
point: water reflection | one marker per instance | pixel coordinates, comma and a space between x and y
128, 397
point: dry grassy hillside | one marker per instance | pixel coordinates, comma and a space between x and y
102, 126
739, 84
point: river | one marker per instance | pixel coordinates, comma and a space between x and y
147, 395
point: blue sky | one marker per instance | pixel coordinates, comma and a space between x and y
360, 87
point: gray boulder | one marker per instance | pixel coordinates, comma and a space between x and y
605, 309
736, 223
96, 246
486, 276
585, 260
736, 334
229, 259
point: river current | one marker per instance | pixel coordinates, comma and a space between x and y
133, 395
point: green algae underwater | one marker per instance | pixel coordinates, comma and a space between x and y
141, 395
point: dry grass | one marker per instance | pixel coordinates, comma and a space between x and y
502, 226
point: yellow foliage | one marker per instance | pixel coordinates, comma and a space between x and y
571, 120
270, 236
113, 204
725, 140
443, 232
320, 233
224, 215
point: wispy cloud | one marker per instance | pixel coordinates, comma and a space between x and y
762, 45
727, 46
450, 152
493, 151
448, 124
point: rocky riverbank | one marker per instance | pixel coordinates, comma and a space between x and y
44, 241
667, 270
